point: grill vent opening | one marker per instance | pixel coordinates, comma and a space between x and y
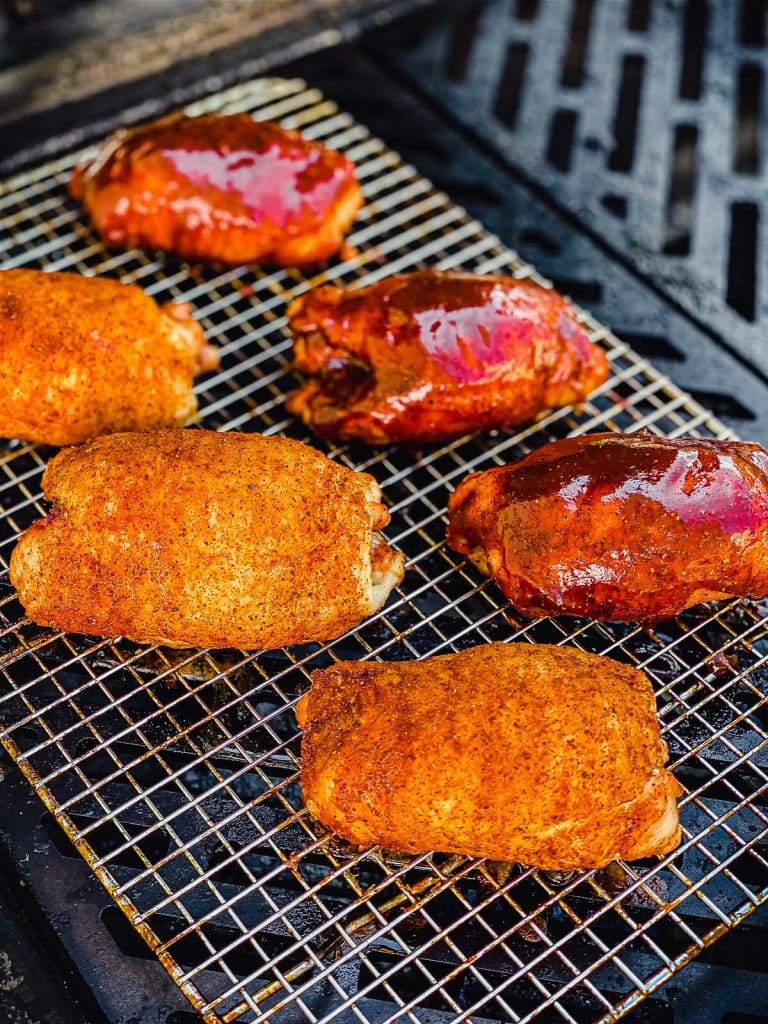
654, 346
578, 41
539, 240
627, 109
639, 16
749, 97
742, 949
233, 873
752, 23
723, 404
693, 44
752, 868
561, 135
126, 938
579, 291
107, 838
511, 84
615, 204
742, 254
682, 189
526, 10
518, 1000
469, 191
192, 950
463, 40
27, 736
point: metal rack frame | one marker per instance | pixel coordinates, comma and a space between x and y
176, 773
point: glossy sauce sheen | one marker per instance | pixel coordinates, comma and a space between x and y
619, 527
221, 187
431, 355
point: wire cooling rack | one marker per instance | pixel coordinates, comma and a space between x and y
176, 773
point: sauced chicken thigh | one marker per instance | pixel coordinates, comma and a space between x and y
615, 526
220, 187
433, 355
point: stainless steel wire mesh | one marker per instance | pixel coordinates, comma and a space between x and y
176, 773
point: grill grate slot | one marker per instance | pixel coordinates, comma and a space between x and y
578, 41
692, 53
627, 108
746, 158
682, 187
176, 773
511, 84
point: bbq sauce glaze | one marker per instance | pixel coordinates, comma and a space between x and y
623, 527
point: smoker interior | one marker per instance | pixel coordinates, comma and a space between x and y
175, 773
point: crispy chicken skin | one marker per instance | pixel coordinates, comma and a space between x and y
544, 755
220, 187
194, 538
619, 527
83, 356
433, 355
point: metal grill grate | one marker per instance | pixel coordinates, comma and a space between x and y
176, 773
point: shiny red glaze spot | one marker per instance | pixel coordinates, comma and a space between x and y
471, 342
696, 480
471, 326
276, 176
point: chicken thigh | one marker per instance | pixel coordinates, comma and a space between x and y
619, 526
195, 538
220, 187
83, 356
545, 755
433, 355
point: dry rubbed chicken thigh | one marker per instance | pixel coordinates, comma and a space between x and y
623, 527
194, 538
433, 355
83, 356
220, 187
544, 755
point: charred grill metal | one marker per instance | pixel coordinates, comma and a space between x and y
175, 773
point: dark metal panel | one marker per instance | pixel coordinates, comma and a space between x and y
558, 244
97, 65
646, 122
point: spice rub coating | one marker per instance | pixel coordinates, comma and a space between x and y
545, 755
195, 538
83, 356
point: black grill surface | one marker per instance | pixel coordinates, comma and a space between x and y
532, 221
645, 119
